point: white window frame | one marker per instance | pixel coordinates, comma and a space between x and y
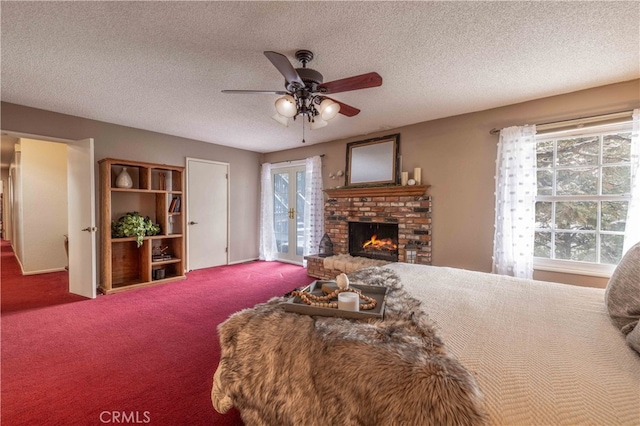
571, 266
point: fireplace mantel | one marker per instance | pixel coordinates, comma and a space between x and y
378, 191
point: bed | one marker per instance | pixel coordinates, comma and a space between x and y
541, 353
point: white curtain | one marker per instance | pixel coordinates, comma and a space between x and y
516, 187
314, 211
268, 247
632, 228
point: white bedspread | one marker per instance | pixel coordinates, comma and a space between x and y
543, 353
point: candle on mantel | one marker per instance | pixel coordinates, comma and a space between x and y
349, 301
417, 175
405, 178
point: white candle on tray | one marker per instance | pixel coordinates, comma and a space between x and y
349, 301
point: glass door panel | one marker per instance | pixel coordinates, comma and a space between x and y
281, 211
288, 212
300, 207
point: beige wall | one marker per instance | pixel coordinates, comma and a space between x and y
44, 205
134, 144
457, 156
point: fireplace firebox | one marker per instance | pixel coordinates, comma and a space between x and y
374, 240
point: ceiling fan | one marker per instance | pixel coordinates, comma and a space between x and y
305, 91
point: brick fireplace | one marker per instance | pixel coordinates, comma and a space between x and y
408, 207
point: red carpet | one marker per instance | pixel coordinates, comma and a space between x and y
31, 291
144, 356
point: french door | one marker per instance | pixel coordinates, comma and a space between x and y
288, 212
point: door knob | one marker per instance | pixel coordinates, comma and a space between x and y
193, 223
90, 229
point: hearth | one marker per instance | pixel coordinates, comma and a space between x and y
374, 240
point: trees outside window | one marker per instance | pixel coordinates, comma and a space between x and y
584, 189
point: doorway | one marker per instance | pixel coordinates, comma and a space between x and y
288, 212
80, 211
207, 213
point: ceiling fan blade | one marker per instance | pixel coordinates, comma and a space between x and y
362, 81
284, 66
345, 109
252, 92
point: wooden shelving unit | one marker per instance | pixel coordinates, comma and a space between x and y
125, 266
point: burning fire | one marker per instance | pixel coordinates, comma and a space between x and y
384, 244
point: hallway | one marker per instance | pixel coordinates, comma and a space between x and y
23, 292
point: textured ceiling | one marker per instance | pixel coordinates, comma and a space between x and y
161, 66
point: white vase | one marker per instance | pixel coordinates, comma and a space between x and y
124, 180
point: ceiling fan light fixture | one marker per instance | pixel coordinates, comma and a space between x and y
318, 123
306, 89
281, 119
329, 109
286, 106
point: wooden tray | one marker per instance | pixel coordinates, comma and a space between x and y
379, 293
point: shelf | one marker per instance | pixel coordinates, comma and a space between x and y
129, 286
138, 190
165, 262
377, 191
124, 265
127, 283
145, 191
154, 237
124, 239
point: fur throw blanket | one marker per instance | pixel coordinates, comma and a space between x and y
280, 368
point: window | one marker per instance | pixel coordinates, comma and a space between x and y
584, 189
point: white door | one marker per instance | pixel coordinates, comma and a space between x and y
288, 212
207, 213
82, 218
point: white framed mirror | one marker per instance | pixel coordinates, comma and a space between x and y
373, 161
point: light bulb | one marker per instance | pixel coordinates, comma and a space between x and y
329, 109
318, 123
286, 106
281, 119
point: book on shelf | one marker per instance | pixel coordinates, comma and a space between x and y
172, 206
176, 208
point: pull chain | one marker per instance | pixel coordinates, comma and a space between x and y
303, 141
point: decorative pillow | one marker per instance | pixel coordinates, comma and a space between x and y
633, 338
622, 296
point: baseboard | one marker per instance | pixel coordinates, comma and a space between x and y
43, 271
235, 262
17, 259
289, 261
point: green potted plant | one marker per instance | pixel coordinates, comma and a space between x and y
133, 224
